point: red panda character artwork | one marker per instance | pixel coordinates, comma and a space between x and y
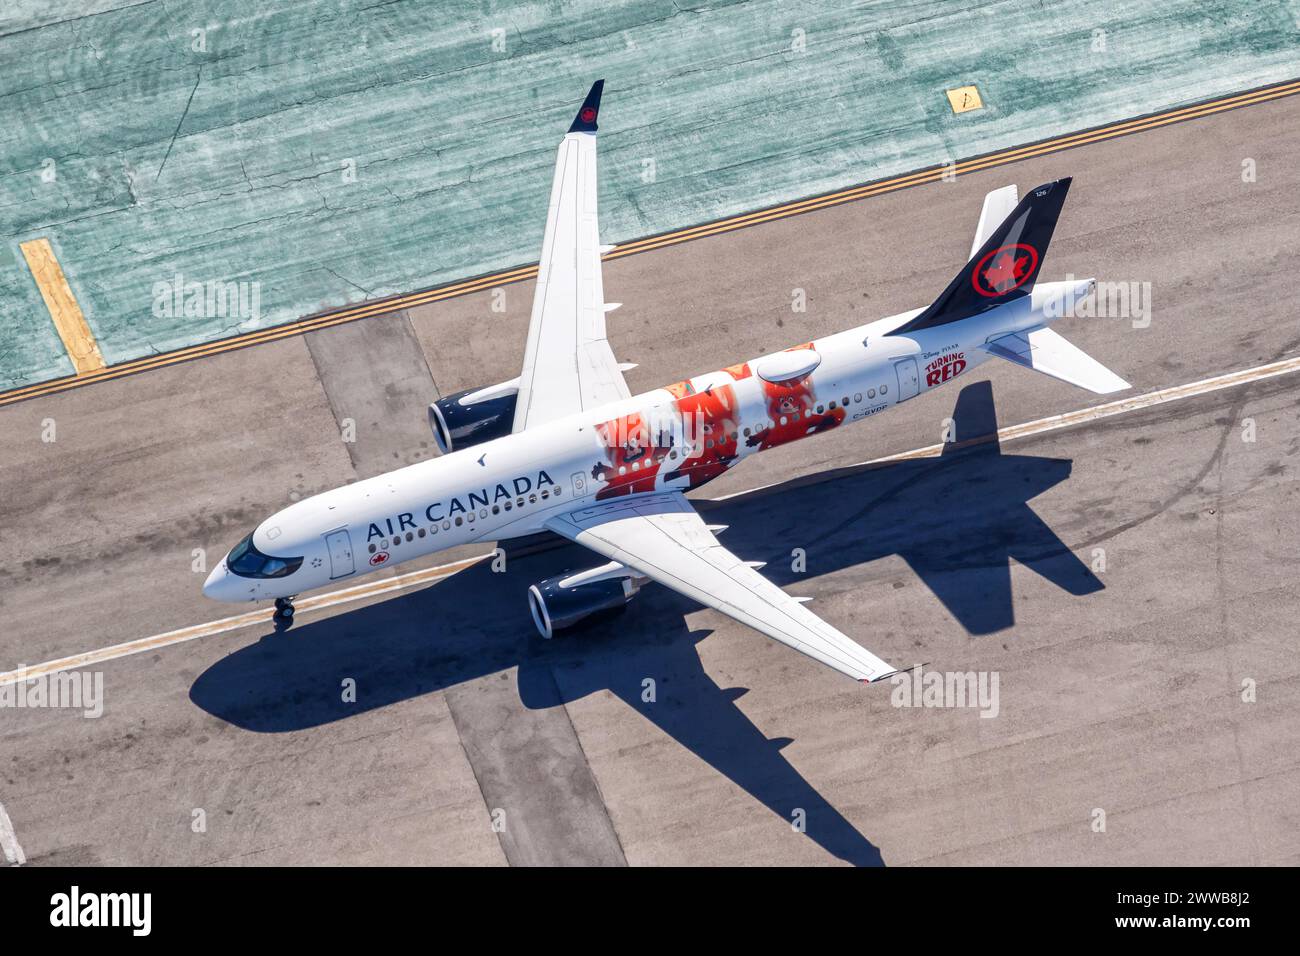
633, 456
713, 416
794, 413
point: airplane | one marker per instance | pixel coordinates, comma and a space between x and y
566, 448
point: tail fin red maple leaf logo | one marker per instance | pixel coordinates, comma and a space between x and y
1004, 269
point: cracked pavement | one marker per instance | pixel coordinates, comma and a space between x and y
335, 151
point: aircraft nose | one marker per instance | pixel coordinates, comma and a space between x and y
217, 586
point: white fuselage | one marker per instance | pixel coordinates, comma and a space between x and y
511, 486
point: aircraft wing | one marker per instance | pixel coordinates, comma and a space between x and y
663, 538
568, 364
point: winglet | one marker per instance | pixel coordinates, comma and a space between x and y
585, 121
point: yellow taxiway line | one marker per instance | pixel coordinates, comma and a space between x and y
319, 602
730, 224
400, 582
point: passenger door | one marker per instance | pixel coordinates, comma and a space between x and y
339, 544
909, 383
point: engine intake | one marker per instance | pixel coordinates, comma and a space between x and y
565, 601
473, 416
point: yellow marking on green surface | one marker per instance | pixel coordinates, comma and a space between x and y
964, 99
785, 210
64, 310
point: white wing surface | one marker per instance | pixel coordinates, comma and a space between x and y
568, 364
663, 538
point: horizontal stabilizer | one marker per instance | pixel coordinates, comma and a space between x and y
998, 205
1045, 351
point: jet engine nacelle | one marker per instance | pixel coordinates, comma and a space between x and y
473, 416
563, 602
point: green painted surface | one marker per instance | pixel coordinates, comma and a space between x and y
145, 150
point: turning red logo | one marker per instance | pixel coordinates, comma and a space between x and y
378, 559
588, 114
945, 367
1004, 269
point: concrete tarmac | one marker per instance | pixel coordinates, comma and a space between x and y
1130, 581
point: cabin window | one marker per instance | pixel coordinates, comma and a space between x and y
857, 397
446, 526
496, 509
421, 532
871, 393
519, 502
459, 521
532, 499
469, 517
783, 419
410, 536
884, 389
373, 549
845, 401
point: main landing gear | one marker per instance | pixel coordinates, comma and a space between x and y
284, 609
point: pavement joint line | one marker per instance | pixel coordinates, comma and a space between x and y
457, 288
401, 582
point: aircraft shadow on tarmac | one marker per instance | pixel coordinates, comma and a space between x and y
956, 520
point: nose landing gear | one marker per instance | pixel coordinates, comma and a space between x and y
284, 610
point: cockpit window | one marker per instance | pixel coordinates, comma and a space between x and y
246, 561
